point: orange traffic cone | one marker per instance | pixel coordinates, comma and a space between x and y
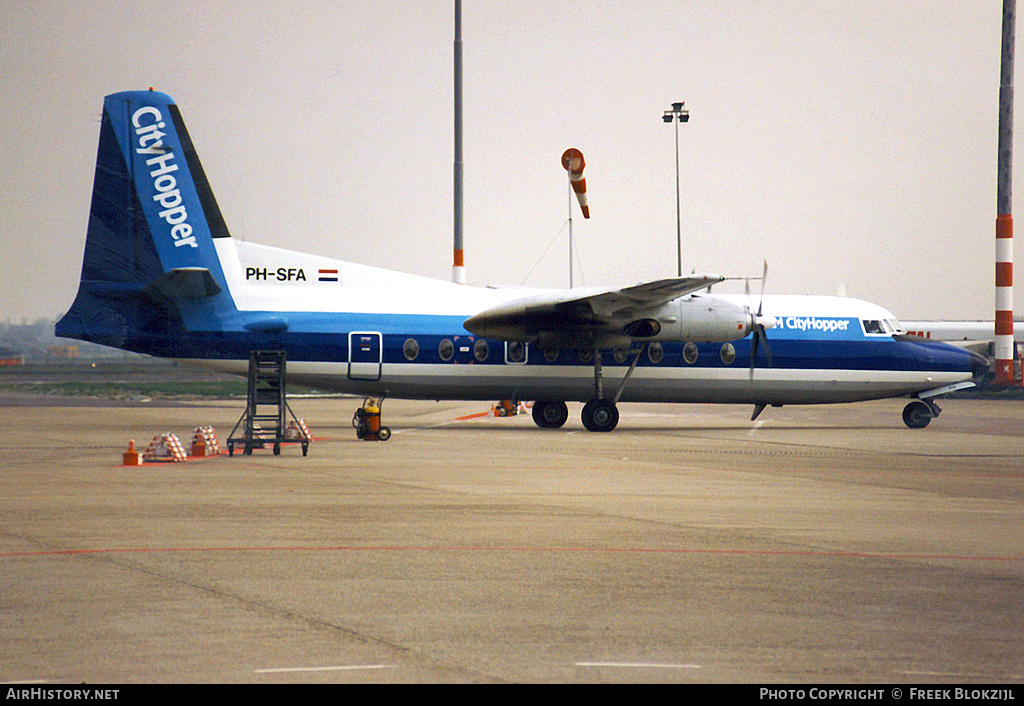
131, 456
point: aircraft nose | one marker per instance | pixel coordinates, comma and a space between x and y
979, 365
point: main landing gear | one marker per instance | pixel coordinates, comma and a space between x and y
599, 414
550, 415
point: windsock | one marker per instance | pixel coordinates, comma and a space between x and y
572, 160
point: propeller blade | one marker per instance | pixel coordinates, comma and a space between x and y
758, 334
767, 348
753, 350
764, 280
759, 338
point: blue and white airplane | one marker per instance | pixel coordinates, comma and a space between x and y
162, 276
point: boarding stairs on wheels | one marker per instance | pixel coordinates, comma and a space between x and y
264, 419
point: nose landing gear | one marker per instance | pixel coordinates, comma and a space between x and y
919, 413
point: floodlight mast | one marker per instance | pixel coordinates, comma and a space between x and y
678, 114
458, 263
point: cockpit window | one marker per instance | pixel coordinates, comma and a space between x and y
872, 327
881, 327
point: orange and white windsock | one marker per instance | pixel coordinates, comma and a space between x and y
572, 160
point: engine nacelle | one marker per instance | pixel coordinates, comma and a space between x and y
642, 328
703, 319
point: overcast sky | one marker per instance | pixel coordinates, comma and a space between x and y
848, 143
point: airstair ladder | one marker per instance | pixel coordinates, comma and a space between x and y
266, 408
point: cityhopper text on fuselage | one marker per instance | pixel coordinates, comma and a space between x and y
176, 284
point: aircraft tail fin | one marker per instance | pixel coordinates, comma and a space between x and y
150, 269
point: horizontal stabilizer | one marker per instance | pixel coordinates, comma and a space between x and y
272, 324
186, 284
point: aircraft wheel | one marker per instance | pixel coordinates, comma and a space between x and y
600, 415
550, 415
917, 414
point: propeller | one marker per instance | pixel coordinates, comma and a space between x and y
759, 323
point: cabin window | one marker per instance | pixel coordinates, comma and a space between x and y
690, 352
515, 352
655, 352
728, 353
586, 355
411, 349
446, 349
551, 355
620, 355
480, 350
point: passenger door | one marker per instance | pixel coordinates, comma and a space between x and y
365, 354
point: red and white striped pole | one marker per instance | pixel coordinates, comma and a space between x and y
1004, 300
1004, 374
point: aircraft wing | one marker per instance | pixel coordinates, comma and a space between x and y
577, 316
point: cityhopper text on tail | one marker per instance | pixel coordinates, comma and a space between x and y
163, 276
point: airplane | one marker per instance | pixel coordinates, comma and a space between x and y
162, 276
978, 336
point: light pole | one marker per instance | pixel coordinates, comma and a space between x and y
458, 263
678, 114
